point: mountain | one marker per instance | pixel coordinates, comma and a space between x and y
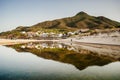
81, 20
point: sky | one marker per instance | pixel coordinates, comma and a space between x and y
14, 13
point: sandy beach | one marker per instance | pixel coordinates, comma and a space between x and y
19, 41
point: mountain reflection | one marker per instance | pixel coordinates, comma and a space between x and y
78, 55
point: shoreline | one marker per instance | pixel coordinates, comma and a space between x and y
20, 41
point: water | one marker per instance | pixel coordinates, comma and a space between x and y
59, 61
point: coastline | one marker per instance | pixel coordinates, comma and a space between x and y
74, 41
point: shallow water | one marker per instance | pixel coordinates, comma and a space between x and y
58, 61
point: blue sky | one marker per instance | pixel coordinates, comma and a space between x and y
15, 13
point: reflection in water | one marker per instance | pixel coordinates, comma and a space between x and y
81, 56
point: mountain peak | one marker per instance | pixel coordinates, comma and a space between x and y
81, 13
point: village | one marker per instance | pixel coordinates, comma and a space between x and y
52, 35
